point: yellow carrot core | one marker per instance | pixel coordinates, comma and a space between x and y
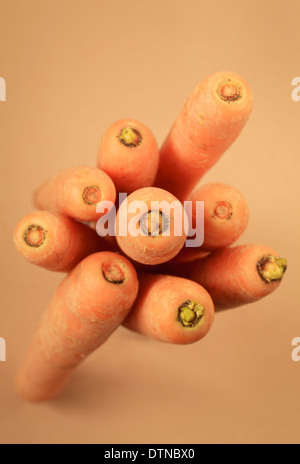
34, 236
222, 210
153, 223
190, 313
229, 90
113, 272
130, 137
91, 195
271, 268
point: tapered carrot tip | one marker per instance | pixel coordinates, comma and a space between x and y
130, 137
190, 314
271, 268
35, 236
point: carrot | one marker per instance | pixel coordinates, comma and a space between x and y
129, 154
225, 217
226, 214
186, 255
55, 242
171, 309
76, 192
211, 120
87, 307
148, 230
109, 239
239, 275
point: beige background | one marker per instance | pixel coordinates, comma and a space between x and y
74, 67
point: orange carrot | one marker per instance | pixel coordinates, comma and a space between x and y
76, 193
87, 307
186, 255
109, 239
225, 218
239, 275
55, 242
159, 229
211, 120
226, 214
129, 154
171, 309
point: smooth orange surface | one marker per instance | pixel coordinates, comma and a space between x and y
71, 69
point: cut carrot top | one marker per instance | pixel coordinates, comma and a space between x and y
148, 234
239, 275
55, 242
129, 154
211, 120
87, 307
76, 192
171, 309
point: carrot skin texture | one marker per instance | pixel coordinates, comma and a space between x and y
226, 214
231, 275
186, 255
203, 131
65, 242
147, 249
130, 165
76, 192
83, 313
155, 312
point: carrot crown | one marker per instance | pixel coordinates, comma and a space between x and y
130, 137
34, 236
113, 272
91, 195
190, 313
271, 268
229, 90
154, 223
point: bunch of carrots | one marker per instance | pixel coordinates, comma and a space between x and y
149, 282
